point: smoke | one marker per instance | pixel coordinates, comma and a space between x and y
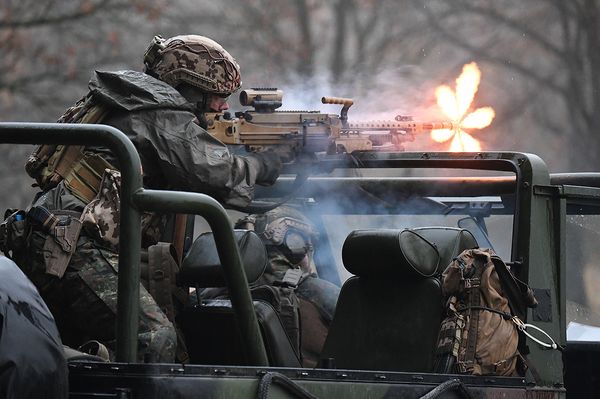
390, 92
339, 208
406, 91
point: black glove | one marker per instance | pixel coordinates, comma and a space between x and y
269, 166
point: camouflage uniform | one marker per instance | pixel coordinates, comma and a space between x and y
176, 153
84, 300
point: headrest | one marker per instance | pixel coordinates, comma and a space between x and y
449, 241
202, 267
381, 253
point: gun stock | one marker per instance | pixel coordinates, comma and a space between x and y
294, 132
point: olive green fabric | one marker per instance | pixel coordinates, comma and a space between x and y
175, 151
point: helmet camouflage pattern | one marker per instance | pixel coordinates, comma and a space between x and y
195, 60
284, 227
274, 225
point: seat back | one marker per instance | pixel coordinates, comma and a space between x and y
388, 315
209, 327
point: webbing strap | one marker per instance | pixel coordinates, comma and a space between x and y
66, 159
291, 278
474, 300
505, 316
95, 114
85, 176
49, 164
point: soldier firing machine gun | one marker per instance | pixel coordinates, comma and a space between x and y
293, 132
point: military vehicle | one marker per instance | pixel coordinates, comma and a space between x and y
383, 336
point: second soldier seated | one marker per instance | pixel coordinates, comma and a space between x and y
71, 254
307, 302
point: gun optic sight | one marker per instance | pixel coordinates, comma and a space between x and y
263, 100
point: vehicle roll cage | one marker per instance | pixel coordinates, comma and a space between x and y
134, 199
529, 172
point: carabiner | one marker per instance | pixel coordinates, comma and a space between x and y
551, 345
524, 326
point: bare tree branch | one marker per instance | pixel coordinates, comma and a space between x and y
49, 19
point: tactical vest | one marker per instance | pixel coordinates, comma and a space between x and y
82, 172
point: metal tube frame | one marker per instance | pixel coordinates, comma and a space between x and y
134, 198
531, 215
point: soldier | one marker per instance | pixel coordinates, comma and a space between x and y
289, 236
72, 253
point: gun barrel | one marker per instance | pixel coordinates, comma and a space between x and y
439, 125
410, 126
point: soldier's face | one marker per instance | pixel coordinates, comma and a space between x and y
217, 103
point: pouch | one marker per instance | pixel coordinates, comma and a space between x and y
13, 233
60, 244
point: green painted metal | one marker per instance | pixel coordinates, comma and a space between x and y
134, 199
216, 216
535, 248
534, 235
129, 268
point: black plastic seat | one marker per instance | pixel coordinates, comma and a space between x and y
388, 315
449, 241
209, 328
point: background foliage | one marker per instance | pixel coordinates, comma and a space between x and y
539, 59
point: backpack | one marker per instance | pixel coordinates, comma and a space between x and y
479, 335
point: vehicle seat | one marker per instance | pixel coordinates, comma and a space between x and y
449, 241
209, 328
388, 315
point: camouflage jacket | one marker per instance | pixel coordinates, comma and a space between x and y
176, 153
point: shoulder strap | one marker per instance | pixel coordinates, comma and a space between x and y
520, 296
480, 263
49, 164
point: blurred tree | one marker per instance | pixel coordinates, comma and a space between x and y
345, 43
49, 48
539, 59
549, 55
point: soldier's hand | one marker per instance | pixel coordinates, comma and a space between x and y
270, 166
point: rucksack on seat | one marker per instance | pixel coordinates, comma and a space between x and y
478, 335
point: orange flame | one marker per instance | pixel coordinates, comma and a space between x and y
455, 105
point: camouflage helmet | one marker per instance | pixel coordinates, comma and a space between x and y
284, 227
196, 60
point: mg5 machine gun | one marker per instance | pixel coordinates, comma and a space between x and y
294, 132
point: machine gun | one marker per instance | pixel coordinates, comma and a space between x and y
294, 132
